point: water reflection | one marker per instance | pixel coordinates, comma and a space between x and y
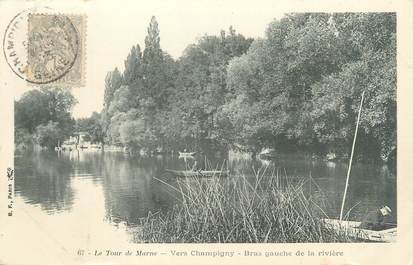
43, 178
130, 187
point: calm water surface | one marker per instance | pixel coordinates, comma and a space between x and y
124, 188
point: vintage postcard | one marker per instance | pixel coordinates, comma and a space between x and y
206, 132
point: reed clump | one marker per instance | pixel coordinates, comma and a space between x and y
265, 209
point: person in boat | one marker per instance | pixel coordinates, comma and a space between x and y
195, 166
377, 219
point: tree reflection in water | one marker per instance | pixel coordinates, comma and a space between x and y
43, 178
130, 190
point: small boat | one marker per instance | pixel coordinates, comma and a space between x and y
67, 147
331, 156
182, 154
389, 234
58, 148
200, 173
267, 153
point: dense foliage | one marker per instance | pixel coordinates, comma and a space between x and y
298, 88
302, 84
43, 116
91, 128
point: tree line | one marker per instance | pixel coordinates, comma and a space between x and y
43, 116
296, 89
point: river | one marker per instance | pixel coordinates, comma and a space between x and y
110, 191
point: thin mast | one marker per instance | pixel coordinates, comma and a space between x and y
351, 157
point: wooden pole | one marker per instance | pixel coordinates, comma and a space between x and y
351, 157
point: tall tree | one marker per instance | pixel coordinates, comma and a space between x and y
113, 81
201, 87
133, 68
153, 67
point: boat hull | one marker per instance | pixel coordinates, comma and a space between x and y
201, 173
353, 230
187, 154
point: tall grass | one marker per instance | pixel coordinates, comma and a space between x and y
268, 208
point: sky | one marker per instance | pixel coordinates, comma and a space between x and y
112, 30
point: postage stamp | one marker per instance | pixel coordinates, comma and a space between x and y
76, 74
46, 48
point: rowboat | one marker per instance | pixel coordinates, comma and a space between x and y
182, 154
267, 153
200, 173
389, 234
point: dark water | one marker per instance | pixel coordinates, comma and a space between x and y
57, 183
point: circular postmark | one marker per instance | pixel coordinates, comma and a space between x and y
40, 47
